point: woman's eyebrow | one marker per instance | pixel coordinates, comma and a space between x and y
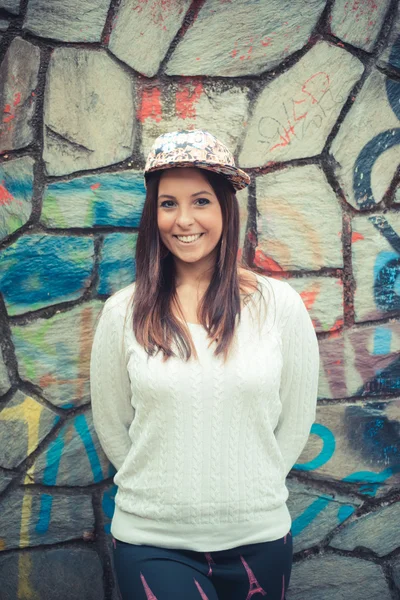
174, 198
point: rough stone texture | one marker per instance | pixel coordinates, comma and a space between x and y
243, 199
295, 113
112, 199
396, 199
360, 361
5, 382
24, 423
261, 35
12, 6
29, 519
193, 105
88, 112
358, 23
367, 146
117, 267
40, 572
315, 514
333, 577
396, 573
291, 234
392, 52
16, 188
4, 23
73, 458
5, 480
139, 26
375, 256
108, 502
378, 531
323, 297
356, 443
55, 353
18, 82
71, 21
39, 270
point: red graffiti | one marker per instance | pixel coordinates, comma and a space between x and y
95, 186
356, 236
266, 262
150, 105
5, 196
186, 99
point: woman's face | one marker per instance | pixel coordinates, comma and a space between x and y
187, 206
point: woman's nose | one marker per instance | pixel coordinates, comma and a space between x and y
184, 218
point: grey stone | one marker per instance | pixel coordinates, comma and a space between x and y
139, 26
291, 233
35, 519
396, 572
193, 105
5, 480
367, 146
117, 267
261, 35
24, 423
73, 458
16, 188
18, 81
243, 199
354, 443
12, 6
396, 199
375, 265
113, 199
358, 23
88, 111
71, 21
4, 24
55, 353
315, 514
333, 577
378, 531
39, 270
392, 52
295, 113
53, 574
5, 382
323, 297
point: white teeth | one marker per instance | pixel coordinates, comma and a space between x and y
188, 238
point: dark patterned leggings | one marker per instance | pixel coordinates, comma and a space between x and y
252, 571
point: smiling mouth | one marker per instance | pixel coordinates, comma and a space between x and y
188, 239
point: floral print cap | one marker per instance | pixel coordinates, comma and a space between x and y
194, 148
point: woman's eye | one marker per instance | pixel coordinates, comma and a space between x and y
163, 204
205, 200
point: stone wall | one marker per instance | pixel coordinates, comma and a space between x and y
307, 95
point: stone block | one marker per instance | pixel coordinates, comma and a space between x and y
323, 297
55, 353
18, 81
300, 222
355, 443
111, 199
39, 270
16, 188
367, 146
261, 35
5, 480
391, 54
243, 200
24, 423
88, 111
12, 6
4, 23
334, 577
376, 265
117, 267
396, 572
52, 574
71, 21
5, 382
360, 361
358, 23
73, 458
315, 514
192, 105
35, 519
139, 26
295, 113
378, 531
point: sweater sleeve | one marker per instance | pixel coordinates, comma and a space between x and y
110, 388
299, 382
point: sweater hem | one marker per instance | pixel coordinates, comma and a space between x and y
132, 529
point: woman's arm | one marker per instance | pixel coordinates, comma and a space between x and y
299, 381
110, 388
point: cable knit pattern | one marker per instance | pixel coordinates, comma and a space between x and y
202, 448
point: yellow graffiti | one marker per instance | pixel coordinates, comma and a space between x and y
25, 589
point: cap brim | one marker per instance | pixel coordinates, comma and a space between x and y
238, 178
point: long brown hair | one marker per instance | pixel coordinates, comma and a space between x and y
154, 323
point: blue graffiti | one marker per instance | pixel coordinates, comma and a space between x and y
328, 449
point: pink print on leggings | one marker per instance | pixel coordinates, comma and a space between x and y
210, 562
255, 587
147, 590
283, 588
202, 592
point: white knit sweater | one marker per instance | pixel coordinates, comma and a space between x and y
202, 449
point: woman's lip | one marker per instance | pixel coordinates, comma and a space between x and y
189, 243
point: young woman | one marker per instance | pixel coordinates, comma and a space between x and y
204, 380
